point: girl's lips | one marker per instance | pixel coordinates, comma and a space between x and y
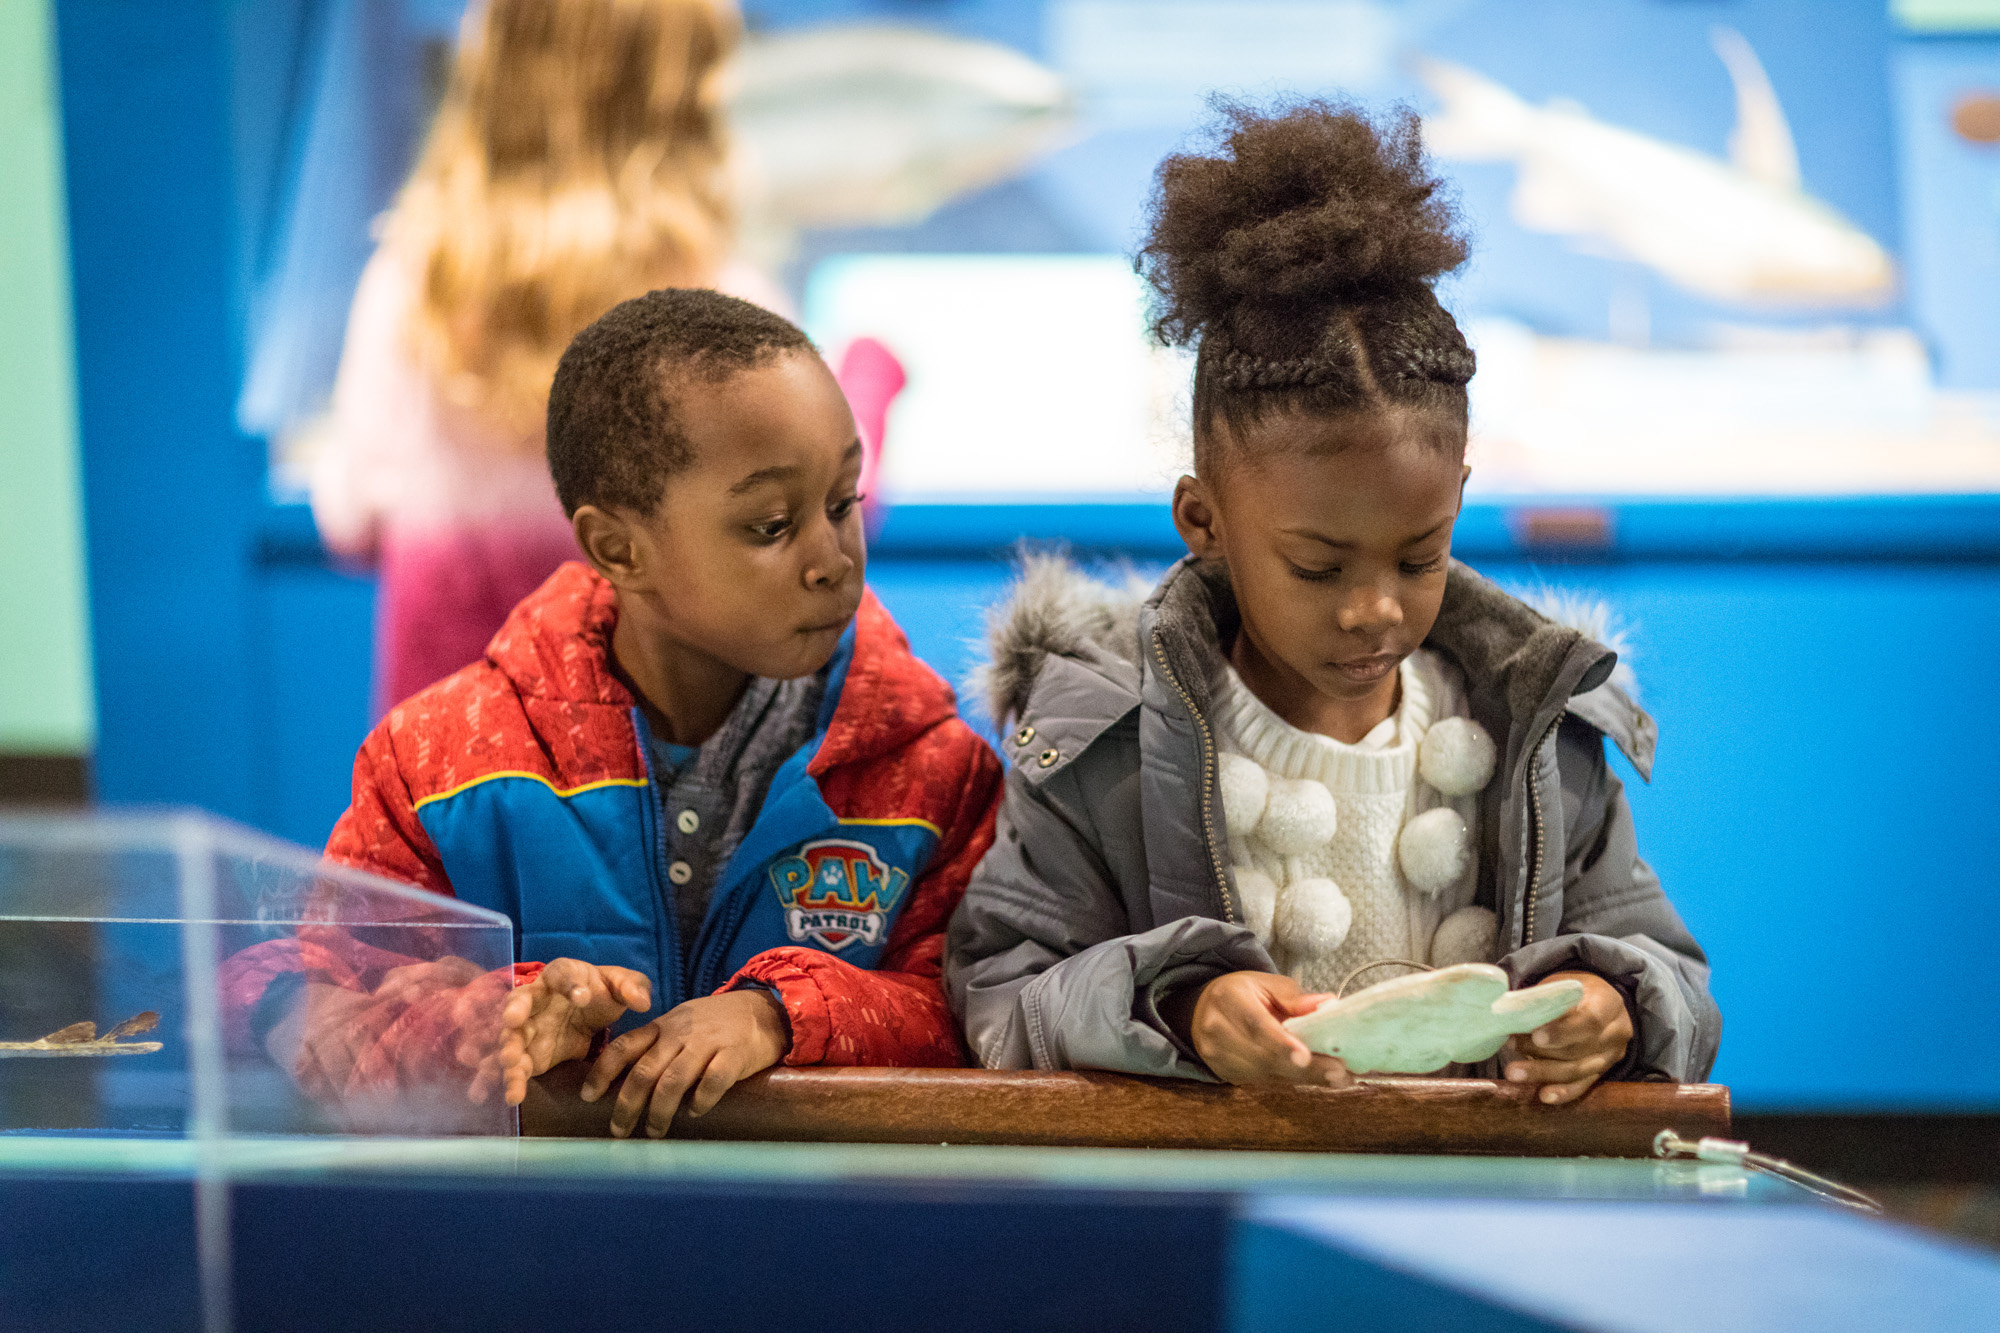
1367, 668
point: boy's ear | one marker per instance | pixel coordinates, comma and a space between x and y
1195, 518
608, 541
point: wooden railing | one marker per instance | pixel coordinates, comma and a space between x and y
1096, 1110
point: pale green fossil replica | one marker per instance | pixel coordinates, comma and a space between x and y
82, 1039
1419, 1024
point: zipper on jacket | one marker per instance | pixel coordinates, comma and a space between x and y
1230, 913
1541, 834
672, 983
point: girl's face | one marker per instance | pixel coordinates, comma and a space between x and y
1336, 534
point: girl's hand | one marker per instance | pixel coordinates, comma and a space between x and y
554, 1017
1236, 1027
698, 1050
1571, 1053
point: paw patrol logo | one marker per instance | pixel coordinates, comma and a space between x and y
837, 893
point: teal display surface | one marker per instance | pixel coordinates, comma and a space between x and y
762, 1164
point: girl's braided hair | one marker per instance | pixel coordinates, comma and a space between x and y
1298, 259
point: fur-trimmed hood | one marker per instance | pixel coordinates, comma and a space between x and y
1058, 609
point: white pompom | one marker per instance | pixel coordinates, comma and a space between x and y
1299, 816
1435, 849
1468, 935
1312, 919
1258, 894
1456, 756
1244, 786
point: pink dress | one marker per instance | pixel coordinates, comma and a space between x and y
460, 517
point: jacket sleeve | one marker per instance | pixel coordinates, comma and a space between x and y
1045, 967
379, 831
1617, 922
896, 1014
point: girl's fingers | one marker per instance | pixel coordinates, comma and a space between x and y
1296, 1006
1557, 1071
1330, 1070
1555, 1094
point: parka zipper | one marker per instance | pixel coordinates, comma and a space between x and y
1207, 783
1541, 834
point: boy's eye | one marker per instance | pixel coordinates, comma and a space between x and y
1415, 569
1316, 575
772, 528
840, 509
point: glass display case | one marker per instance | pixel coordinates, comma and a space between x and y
174, 975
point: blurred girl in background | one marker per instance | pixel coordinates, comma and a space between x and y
579, 159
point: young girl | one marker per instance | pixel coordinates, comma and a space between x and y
578, 160
1319, 744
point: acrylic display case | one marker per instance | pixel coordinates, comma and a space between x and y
174, 975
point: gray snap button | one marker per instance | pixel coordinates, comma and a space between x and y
687, 821
680, 872
1047, 758
1024, 735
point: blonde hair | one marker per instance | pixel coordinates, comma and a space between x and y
579, 158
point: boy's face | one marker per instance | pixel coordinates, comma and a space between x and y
754, 558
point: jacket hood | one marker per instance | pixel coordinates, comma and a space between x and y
1516, 653
556, 648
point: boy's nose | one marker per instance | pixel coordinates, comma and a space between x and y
828, 565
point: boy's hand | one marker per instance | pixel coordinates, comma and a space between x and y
554, 1017
707, 1045
1568, 1055
1236, 1028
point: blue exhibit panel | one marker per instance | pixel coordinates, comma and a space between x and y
1951, 207
1818, 813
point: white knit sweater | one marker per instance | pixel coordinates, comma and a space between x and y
1313, 828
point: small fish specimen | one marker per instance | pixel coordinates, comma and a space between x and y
82, 1039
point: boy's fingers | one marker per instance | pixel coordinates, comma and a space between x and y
631, 989
640, 1085
611, 1061
724, 1072
688, 1068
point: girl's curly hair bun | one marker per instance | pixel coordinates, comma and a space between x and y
1310, 205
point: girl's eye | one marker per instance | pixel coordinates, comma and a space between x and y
1427, 567
1316, 575
772, 528
840, 509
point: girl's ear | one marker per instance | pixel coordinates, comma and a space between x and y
1197, 519
1465, 475
607, 539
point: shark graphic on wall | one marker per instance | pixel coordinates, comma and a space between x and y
1742, 230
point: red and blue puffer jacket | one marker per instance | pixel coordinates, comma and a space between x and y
521, 784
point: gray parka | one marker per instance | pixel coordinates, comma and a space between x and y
1108, 886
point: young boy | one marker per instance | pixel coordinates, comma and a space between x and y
704, 768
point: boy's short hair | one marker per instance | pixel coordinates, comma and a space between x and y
613, 437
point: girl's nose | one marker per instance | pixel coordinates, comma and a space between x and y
1371, 610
